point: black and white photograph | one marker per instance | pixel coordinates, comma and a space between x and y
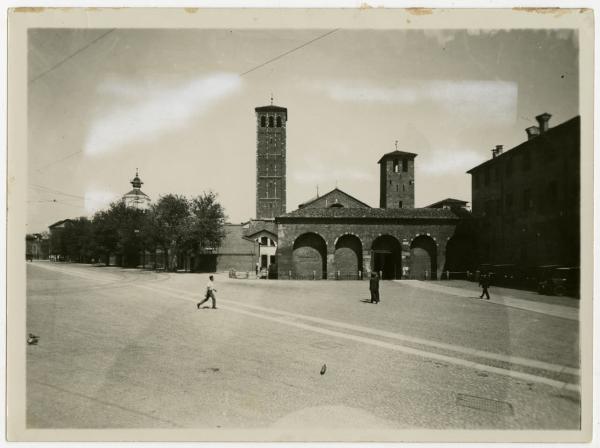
292, 227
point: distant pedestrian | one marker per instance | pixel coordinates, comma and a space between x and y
374, 287
484, 282
257, 269
210, 293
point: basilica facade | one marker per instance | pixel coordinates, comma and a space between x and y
338, 236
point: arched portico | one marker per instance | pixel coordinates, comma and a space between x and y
348, 256
309, 257
386, 257
423, 258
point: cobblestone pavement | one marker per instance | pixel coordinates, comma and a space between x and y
129, 349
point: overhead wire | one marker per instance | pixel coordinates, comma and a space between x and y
72, 55
273, 59
44, 189
289, 52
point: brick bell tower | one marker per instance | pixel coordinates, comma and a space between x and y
397, 179
270, 161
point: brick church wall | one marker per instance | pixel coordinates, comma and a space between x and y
366, 231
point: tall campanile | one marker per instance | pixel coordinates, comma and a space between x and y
270, 161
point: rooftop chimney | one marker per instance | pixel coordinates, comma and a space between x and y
532, 132
543, 120
496, 151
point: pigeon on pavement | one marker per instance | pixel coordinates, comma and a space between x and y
32, 339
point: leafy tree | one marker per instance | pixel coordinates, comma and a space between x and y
76, 238
104, 235
207, 222
118, 231
169, 226
174, 224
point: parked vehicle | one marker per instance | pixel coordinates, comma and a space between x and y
505, 274
565, 281
544, 278
483, 269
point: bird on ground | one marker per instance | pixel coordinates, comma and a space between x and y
32, 339
323, 369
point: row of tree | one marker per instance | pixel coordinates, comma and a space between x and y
174, 226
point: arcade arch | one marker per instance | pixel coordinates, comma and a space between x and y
310, 256
348, 256
423, 258
386, 257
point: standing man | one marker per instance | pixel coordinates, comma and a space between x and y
374, 287
210, 293
484, 282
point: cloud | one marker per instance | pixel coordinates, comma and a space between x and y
450, 160
97, 200
479, 100
150, 111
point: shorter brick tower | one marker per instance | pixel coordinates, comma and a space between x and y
397, 180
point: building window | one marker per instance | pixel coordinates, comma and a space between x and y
395, 166
278, 121
400, 204
405, 165
264, 241
274, 189
487, 207
508, 167
527, 200
272, 259
526, 161
390, 182
509, 201
263, 121
552, 193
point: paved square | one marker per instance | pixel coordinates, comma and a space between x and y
129, 349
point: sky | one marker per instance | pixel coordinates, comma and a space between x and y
179, 106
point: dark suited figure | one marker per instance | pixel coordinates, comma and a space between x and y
484, 282
374, 287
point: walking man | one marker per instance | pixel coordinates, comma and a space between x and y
210, 293
484, 282
374, 287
